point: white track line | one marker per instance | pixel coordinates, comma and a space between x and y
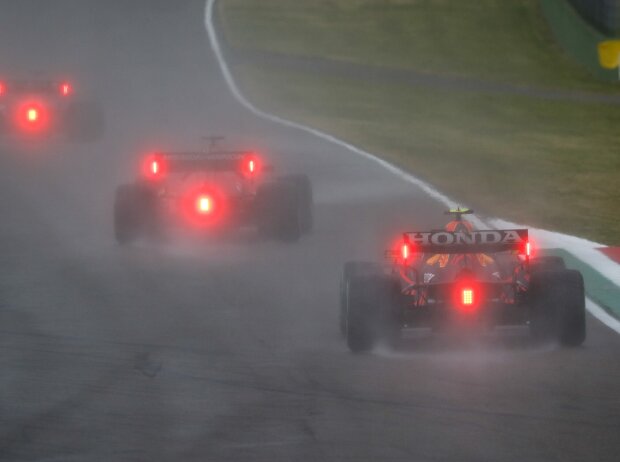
214, 41
602, 315
582, 249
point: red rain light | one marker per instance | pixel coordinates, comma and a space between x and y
154, 167
527, 249
65, 89
250, 165
2, 88
467, 296
204, 204
32, 117
203, 207
32, 114
405, 251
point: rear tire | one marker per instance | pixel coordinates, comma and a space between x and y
305, 200
135, 213
279, 211
350, 270
373, 314
558, 307
547, 263
125, 205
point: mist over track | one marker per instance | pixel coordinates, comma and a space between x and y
229, 349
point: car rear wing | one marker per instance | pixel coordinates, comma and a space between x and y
446, 242
35, 86
479, 241
245, 163
200, 161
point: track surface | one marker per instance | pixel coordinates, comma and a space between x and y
230, 350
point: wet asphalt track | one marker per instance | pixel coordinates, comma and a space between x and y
230, 350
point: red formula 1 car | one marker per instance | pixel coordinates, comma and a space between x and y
461, 275
211, 191
39, 108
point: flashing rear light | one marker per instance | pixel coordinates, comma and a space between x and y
2, 88
65, 89
204, 204
203, 207
32, 114
467, 296
154, 167
528, 249
32, 117
250, 165
405, 251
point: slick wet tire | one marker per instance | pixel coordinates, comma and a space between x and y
125, 207
84, 121
279, 214
558, 307
547, 263
372, 314
305, 199
135, 213
350, 270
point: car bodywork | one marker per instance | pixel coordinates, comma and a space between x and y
212, 190
453, 278
455, 274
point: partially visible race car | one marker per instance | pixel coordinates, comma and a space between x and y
211, 191
40, 108
460, 276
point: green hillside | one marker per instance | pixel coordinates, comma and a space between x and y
494, 112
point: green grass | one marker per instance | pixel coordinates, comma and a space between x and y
553, 164
500, 40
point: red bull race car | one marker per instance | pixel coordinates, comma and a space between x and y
211, 191
36, 108
458, 276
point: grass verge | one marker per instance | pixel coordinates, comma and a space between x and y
550, 163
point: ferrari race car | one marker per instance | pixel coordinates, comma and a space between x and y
461, 277
211, 191
39, 108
